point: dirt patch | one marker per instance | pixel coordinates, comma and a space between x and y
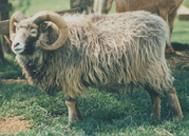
13, 81
13, 125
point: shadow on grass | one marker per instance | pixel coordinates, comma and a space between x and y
10, 70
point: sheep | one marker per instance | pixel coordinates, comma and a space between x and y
167, 9
74, 52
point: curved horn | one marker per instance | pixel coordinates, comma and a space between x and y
15, 18
59, 22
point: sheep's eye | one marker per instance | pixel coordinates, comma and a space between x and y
33, 32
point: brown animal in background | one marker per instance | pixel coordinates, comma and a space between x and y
84, 5
167, 9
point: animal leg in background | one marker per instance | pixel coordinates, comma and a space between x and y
164, 15
171, 22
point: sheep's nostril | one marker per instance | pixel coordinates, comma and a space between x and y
15, 45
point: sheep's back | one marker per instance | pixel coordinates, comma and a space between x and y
125, 48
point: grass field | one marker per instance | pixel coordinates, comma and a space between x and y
104, 113
186, 3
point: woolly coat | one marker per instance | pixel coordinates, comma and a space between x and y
104, 51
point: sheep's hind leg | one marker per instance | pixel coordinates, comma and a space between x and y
174, 103
73, 111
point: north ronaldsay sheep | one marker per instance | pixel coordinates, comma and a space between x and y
167, 9
79, 51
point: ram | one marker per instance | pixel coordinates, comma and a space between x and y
167, 9
79, 51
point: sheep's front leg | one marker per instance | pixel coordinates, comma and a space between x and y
156, 103
73, 111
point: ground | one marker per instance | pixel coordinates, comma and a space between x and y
28, 111
12, 125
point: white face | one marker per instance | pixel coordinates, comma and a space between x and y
25, 36
18, 48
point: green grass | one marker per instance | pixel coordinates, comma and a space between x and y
181, 31
38, 5
104, 113
186, 3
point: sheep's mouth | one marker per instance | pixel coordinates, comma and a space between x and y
18, 49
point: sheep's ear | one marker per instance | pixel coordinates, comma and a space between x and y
49, 31
44, 27
15, 24
47, 27
14, 20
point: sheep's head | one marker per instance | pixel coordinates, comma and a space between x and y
26, 32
